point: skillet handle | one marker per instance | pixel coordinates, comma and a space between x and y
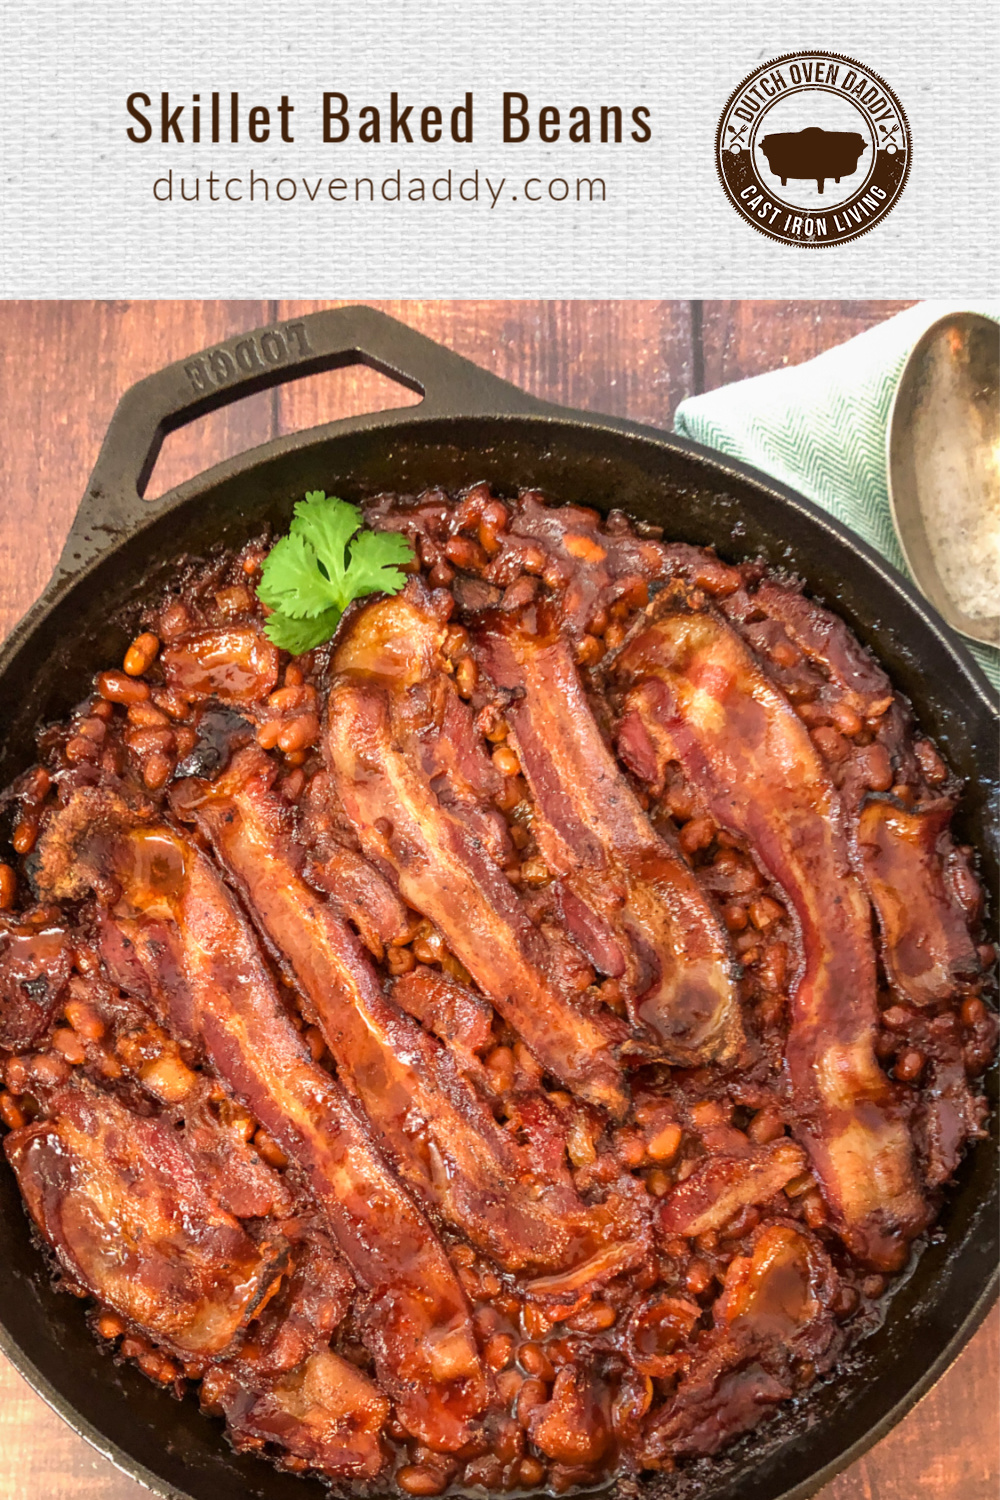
113, 505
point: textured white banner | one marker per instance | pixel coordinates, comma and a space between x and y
87, 212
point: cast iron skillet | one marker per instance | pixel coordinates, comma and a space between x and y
472, 426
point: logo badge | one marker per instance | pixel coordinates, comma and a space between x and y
813, 149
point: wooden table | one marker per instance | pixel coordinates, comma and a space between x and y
65, 365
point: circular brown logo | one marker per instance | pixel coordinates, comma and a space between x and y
813, 149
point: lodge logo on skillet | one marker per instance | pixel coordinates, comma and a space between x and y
813, 149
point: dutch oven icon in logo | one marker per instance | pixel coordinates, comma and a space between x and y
813, 149
813, 152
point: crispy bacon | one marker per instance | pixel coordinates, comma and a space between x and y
593, 834
177, 938
326, 1412
722, 1397
441, 1137
905, 856
286, 1386
34, 968
131, 1219
721, 1185
698, 697
597, 566
364, 897
311, 1305
236, 664
417, 1322
950, 1114
397, 737
657, 1334
243, 1183
433, 1052
614, 1259
773, 1312
456, 1014
782, 1287
826, 640
74, 855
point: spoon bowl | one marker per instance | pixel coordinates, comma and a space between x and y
944, 470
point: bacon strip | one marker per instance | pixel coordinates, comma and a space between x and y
596, 566
325, 1411
699, 697
286, 1385
456, 1014
826, 640
926, 943
363, 896
129, 1216
594, 835
35, 962
439, 1134
178, 940
721, 1185
411, 791
774, 1312
236, 664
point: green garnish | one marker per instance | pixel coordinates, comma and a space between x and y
311, 575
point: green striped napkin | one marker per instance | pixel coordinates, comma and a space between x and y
821, 428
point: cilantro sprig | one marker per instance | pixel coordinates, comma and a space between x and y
311, 575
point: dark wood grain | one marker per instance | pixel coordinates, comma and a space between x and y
64, 367
557, 350
56, 402
740, 339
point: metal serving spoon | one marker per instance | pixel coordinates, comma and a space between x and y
944, 467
